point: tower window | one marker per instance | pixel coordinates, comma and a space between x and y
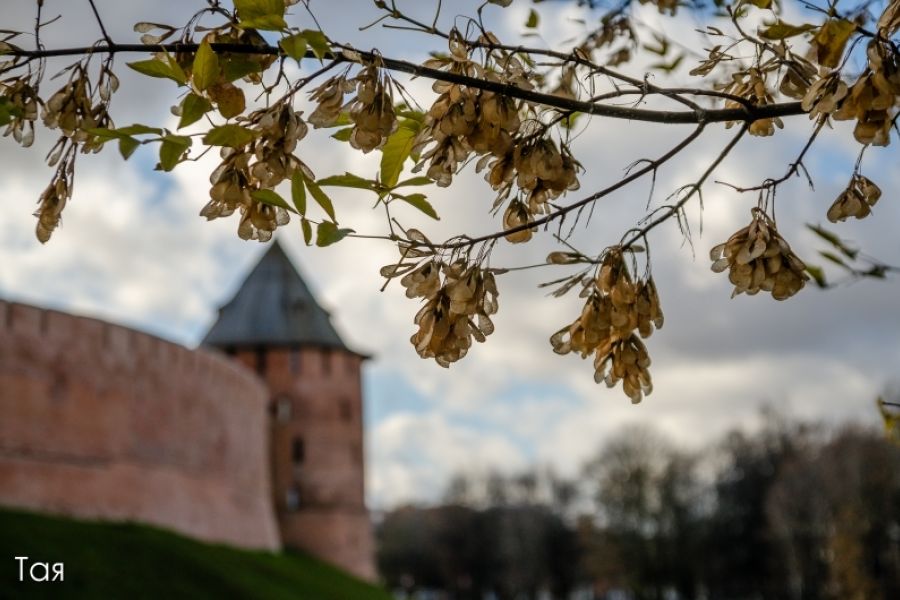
292, 499
326, 362
282, 409
298, 451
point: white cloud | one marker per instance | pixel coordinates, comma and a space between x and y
133, 249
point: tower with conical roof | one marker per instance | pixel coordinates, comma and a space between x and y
275, 327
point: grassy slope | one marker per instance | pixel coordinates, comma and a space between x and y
134, 561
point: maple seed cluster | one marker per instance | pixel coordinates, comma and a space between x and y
466, 120
329, 98
456, 310
872, 98
618, 310
71, 110
543, 173
51, 205
856, 201
24, 101
372, 111
260, 164
758, 258
751, 86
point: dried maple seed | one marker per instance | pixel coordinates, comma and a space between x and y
50, 207
873, 97
23, 100
615, 308
456, 310
855, 201
751, 86
330, 99
758, 258
372, 111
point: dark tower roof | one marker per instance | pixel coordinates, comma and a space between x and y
273, 307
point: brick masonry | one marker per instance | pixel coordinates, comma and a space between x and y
317, 451
99, 421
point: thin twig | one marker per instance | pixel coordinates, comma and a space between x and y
695, 188
558, 214
100, 23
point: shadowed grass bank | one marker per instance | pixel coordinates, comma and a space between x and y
104, 560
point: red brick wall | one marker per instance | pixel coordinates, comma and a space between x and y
99, 421
323, 393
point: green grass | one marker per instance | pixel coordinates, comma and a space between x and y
112, 561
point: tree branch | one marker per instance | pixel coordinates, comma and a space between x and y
698, 115
652, 165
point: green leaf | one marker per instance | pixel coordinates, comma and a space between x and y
155, 68
139, 129
234, 136
668, 67
192, 109
271, 197
818, 275
8, 110
298, 192
328, 233
394, 153
834, 240
534, 19
171, 150
343, 135
349, 180
206, 67
307, 231
415, 116
177, 72
236, 66
834, 258
103, 132
127, 146
317, 41
420, 202
320, 197
571, 120
761, 3
415, 181
294, 46
779, 30
261, 14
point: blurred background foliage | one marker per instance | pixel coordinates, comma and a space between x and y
793, 511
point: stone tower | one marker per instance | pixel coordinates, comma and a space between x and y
275, 327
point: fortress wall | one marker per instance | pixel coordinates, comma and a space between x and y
100, 421
340, 536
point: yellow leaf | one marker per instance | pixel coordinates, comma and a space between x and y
831, 40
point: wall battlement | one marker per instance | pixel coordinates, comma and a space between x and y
101, 421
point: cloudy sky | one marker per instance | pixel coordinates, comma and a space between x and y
134, 251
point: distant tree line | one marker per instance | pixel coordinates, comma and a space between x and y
790, 512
